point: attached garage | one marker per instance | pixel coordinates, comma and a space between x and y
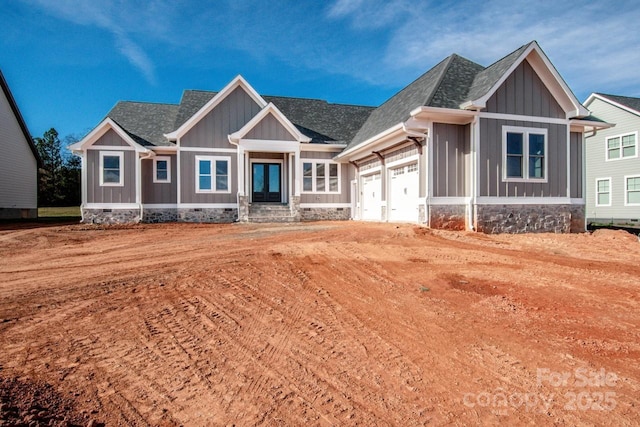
403, 193
372, 197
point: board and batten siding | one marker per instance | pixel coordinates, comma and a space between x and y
229, 116
271, 129
577, 167
18, 166
345, 186
451, 160
598, 167
490, 161
159, 192
111, 138
524, 93
188, 169
111, 194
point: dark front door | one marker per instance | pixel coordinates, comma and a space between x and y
265, 180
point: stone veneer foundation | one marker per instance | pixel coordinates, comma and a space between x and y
215, 215
448, 217
493, 219
325, 214
110, 216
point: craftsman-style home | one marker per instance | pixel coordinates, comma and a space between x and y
493, 149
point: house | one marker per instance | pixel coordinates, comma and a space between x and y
19, 161
493, 149
612, 162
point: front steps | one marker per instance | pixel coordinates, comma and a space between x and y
271, 212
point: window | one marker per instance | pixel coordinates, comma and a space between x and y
524, 154
111, 166
622, 146
212, 174
603, 192
162, 169
632, 190
320, 177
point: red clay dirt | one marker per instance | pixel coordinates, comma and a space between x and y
337, 323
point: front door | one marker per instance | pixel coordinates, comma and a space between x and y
266, 182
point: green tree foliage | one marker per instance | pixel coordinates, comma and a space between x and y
60, 175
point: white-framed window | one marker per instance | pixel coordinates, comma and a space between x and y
524, 154
212, 174
632, 190
622, 146
162, 169
320, 176
111, 168
603, 192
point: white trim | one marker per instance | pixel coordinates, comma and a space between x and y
325, 205
525, 131
403, 162
235, 137
111, 206
102, 129
160, 206
111, 148
155, 170
208, 150
394, 131
610, 192
239, 81
327, 180
120, 155
213, 160
626, 190
207, 205
370, 171
521, 118
577, 201
178, 175
568, 172
316, 147
269, 146
492, 200
441, 201
606, 146
610, 101
171, 149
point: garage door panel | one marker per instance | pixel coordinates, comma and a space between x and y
371, 197
403, 193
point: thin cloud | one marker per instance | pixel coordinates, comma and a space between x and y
105, 16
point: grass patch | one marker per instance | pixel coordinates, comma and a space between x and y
63, 212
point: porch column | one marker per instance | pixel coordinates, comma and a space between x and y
243, 199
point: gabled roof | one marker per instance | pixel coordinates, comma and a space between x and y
104, 126
146, 123
18, 116
625, 102
270, 109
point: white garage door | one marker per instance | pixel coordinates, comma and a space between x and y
403, 193
371, 197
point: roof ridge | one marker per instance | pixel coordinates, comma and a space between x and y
147, 102
449, 60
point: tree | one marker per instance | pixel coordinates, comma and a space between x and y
60, 175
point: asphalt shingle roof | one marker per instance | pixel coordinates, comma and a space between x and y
627, 101
323, 122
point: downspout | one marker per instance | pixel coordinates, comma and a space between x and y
474, 178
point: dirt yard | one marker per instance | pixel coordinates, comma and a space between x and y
317, 324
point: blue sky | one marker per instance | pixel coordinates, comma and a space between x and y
69, 61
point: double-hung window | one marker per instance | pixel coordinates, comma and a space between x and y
603, 192
212, 174
111, 168
632, 190
524, 154
162, 169
622, 146
320, 177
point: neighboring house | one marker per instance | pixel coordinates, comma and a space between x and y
18, 163
495, 149
613, 164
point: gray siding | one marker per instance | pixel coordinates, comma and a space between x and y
157, 193
101, 194
577, 168
490, 161
343, 196
227, 117
111, 138
451, 160
270, 128
188, 179
598, 167
18, 166
524, 93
